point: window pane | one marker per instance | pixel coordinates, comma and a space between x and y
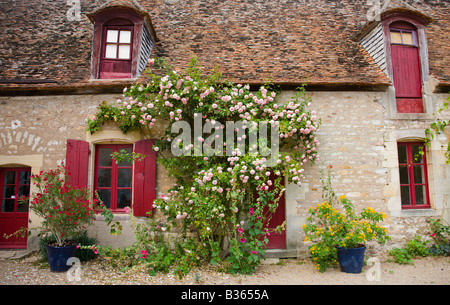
407, 38
124, 177
406, 198
396, 37
22, 206
8, 205
105, 196
10, 178
9, 191
404, 179
104, 157
125, 37
128, 150
402, 154
104, 177
123, 198
24, 190
24, 177
419, 175
416, 152
111, 36
420, 194
111, 51
124, 51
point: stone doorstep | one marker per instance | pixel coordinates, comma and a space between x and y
281, 253
270, 261
15, 254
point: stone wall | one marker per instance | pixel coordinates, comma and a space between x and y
358, 138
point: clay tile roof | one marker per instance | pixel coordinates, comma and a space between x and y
251, 41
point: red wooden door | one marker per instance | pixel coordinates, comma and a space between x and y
77, 159
406, 69
14, 183
277, 240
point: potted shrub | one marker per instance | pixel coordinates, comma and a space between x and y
65, 210
341, 235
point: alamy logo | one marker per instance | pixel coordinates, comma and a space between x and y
374, 273
374, 13
74, 273
235, 132
74, 12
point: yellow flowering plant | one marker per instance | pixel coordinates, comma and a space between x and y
329, 227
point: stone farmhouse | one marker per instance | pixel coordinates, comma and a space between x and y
377, 71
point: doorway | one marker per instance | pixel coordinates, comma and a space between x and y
14, 183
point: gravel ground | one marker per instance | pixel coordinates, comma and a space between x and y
428, 271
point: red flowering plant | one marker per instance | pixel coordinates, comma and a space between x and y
65, 210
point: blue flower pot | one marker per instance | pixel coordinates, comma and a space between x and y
58, 256
351, 260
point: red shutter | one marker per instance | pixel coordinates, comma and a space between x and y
144, 178
406, 70
77, 160
406, 74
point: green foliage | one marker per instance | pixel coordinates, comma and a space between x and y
123, 155
440, 231
154, 250
401, 256
442, 249
416, 247
437, 127
413, 248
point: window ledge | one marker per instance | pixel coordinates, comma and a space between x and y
117, 217
418, 212
412, 116
112, 80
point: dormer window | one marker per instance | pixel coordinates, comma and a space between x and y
398, 45
117, 46
123, 41
407, 58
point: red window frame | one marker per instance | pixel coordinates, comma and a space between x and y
411, 169
113, 187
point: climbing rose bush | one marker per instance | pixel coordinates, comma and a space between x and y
226, 198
